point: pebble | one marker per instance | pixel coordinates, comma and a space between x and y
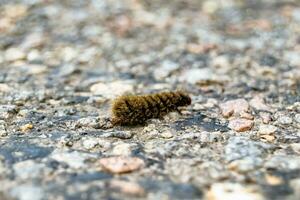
33, 40
68, 54
240, 125
119, 134
121, 164
285, 120
122, 134
4, 87
15, 11
1, 56
297, 118
296, 147
26, 127
73, 159
192, 76
104, 144
27, 192
266, 117
258, 103
123, 149
34, 69
87, 55
67, 70
28, 169
245, 165
269, 138
14, 54
167, 134
91, 122
240, 147
6, 111
210, 6
273, 180
246, 115
105, 123
221, 62
3, 131
126, 187
267, 129
90, 143
236, 107
283, 162
165, 69
295, 184
34, 55
229, 191
113, 89
292, 57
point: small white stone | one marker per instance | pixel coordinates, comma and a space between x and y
13, 54
192, 76
69, 53
7, 111
167, 134
221, 62
89, 143
296, 147
166, 68
28, 169
27, 192
113, 89
34, 55
74, 159
297, 118
34, 69
267, 129
122, 148
3, 131
229, 191
285, 120
4, 87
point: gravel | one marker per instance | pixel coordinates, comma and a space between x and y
63, 62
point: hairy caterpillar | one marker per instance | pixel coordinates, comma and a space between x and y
133, 110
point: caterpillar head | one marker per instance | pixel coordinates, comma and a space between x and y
185, 99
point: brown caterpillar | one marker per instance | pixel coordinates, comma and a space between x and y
134, 110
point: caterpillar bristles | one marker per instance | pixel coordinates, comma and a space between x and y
137, 109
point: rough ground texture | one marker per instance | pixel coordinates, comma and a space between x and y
62, 62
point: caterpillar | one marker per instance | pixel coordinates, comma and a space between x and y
137, 109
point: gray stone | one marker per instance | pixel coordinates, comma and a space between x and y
112, 89
28, 169
165, 69
14, 54
297, 118
246, 164
267, 129
28, 192
285, 120
90, 143
3, 131
234, 191
118, 134
192, 76
67, 70
283, 162
6, 111
91, 122
122, 148
240, 147
73, 159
